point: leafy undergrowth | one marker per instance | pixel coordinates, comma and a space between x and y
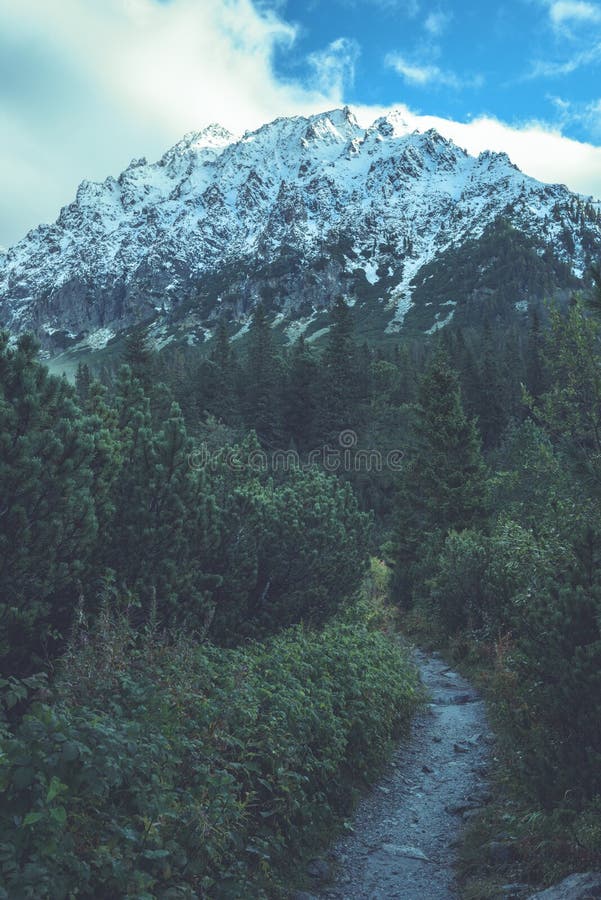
543, 844
161, 768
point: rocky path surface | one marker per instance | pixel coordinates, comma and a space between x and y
405, 829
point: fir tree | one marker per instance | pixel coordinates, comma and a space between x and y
47, 515
163, 516
223, 359
139, 356
443, 484
262, 380
492, 401
301, 400
339, 374
83, 380
535, 375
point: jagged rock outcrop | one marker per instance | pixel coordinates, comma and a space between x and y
295, 213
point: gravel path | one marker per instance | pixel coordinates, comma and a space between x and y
405, 829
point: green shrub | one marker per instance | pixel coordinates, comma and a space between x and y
551, 702
457, 586
47, 515
162, 769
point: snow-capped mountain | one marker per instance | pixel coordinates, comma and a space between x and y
294, 214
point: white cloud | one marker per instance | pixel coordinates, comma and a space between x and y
83, 92
587, 114
575, 25
409, 8
85, 89
437, 22
334, 67
424, 74
579, 60
570, 11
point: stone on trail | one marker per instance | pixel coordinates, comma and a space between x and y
406, 852
581, 886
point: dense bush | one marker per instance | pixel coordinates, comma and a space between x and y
549, 693
47, 512
111, 491
157, 769
519, 578
300, 549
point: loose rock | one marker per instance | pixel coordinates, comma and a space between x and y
404, 845
581, 886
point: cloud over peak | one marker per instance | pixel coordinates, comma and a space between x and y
423, 74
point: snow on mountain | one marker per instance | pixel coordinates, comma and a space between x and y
294, 213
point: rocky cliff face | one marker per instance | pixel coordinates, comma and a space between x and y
294, 214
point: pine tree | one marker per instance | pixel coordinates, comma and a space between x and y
223, 359
535, 375
339, 367
443, 484
491, 402
262, 380
139, 356
47, 515
594, 300
301, 400
83, 380
164, 515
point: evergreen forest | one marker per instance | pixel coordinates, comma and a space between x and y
212, 559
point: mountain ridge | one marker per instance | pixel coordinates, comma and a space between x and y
292, 214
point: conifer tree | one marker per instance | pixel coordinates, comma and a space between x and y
535, 376
139, 356
164, 515
339, 373
443, 484
491, 403
223, 359
594, 299
301, 400
47, 514
83, 379
262, 380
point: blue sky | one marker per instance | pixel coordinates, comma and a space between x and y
85, 85
519, 60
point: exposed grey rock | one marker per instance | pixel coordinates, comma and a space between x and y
216, 224
480, 798
456, 809
464, 698
407, 852
515, 891
471, 814
581, 886
404, 845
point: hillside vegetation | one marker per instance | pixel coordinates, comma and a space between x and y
195, 683
182, 714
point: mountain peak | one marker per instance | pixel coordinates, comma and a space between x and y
213, 138
214, 135
339, 125
494, 157
297, 211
